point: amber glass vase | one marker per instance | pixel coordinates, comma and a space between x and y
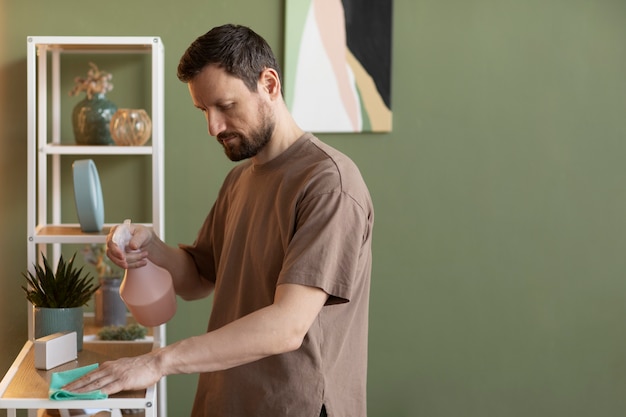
131, 127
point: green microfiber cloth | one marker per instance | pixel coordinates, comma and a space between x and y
60, 379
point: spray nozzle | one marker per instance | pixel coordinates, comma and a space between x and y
122, 235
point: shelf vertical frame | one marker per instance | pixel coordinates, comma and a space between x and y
158, 205
43, 54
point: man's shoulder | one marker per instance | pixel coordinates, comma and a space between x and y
329, 154
337, 170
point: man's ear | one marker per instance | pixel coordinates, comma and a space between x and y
269, 82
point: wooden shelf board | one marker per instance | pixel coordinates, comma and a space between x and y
30, 382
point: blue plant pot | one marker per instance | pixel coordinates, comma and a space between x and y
59, 320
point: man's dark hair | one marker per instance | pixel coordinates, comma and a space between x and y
235, 48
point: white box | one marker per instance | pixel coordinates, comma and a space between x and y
54, 350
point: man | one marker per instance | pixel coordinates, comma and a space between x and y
286, 249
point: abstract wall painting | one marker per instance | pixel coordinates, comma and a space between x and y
338, 64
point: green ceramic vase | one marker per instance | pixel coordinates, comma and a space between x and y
54, 320
91, 119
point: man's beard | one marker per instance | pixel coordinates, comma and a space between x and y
250, 146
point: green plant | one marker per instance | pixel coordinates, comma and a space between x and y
68, 287
131, 331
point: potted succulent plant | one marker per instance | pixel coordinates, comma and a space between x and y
58, 297
110, 309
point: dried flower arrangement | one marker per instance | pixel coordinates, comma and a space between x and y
97, 82
95, 254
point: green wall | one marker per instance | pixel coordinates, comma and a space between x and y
498, 284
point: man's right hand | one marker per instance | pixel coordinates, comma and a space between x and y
135, 254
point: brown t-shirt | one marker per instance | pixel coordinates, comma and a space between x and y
305, 218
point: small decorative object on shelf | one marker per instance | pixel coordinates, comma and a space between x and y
92, 115
59, 297
131, 127
109, 308
88, 195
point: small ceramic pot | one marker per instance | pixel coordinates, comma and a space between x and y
110, 310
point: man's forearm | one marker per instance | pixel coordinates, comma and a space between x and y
277, 328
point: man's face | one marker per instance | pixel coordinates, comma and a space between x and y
240, 119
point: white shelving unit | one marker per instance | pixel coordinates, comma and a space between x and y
46, 147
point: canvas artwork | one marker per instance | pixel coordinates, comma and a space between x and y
338, 64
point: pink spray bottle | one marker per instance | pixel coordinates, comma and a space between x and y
148, 292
